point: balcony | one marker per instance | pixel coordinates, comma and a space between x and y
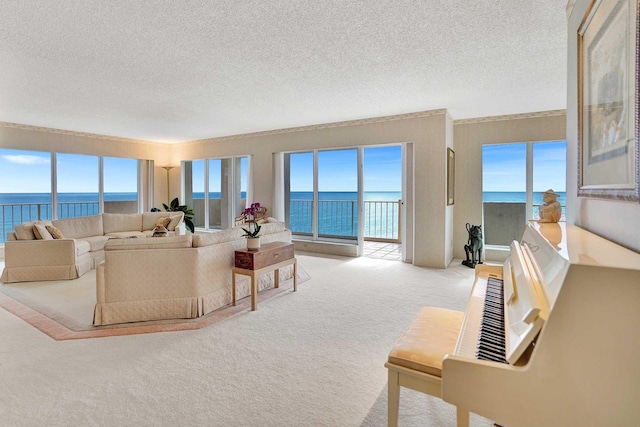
338, 219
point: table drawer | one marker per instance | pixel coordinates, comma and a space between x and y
267, 255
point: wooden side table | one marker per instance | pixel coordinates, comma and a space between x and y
270, 257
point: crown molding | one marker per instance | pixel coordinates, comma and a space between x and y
550, 113
322, 126
74, 133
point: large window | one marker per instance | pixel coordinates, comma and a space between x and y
325, 195
300, 200
120, 185
31, 189
338, 193
514, 176
25, 188
78, 185
216, 188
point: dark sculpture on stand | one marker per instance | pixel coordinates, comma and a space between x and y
473, 248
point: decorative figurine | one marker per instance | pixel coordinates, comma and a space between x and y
474, 246
551, 211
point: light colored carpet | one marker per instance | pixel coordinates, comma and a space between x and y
311, 358
64, 309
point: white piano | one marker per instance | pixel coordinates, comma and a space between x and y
570, 354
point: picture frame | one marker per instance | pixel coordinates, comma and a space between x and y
451, 174
608, 140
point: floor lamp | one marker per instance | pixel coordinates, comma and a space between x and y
168, 168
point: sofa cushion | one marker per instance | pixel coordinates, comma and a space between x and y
175, 220
24, 231
79, 227
41, 232
149, 219
272, 227
112, 222
163, 221
54, 231
82, 247
208, 239
96, 243
125, 234
176, 242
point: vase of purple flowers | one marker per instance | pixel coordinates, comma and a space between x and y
252, 231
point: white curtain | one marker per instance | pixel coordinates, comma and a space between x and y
145, 185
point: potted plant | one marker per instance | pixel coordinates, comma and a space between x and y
252, 232
175, 206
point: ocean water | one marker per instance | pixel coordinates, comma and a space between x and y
519, 197
337, 211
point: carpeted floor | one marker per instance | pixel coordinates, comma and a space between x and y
63, 309
311, 358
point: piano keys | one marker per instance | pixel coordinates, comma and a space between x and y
569, 353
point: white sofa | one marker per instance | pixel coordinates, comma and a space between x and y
81, 248
175, 277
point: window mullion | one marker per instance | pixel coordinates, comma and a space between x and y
314, 212
529, 197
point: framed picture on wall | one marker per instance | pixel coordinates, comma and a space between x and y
608, 147
451, 174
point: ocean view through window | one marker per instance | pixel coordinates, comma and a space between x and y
27, 178
514, 176
322, 193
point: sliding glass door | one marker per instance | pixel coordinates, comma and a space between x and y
338, 194
216, 188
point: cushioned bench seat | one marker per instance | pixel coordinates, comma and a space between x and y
431, 335
416, 359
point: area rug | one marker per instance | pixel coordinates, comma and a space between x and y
63, 310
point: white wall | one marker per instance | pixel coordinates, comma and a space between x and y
469, 136
613, 220
427, 131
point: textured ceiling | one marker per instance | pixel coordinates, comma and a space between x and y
174, 71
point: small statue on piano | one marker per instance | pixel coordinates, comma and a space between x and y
473, 248
551, 210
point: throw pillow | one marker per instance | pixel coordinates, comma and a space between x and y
55, 232
163, 221
175, 220
41, 233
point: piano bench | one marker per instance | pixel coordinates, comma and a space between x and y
415, 361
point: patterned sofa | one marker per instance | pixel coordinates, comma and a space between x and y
81, 247
175, 277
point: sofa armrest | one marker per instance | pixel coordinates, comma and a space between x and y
26, 253
100, 290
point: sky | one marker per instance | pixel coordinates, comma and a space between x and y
503, 170
337, 170
504, 167
30, 172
